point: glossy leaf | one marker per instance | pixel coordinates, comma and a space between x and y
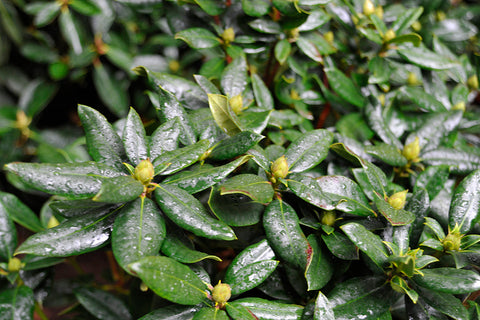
282, 50
263, 97
253, 186
178, 159
73, 237
70, 30
367, 242
270, 310
103, 143
138, 231
75, 208
444, 302
174, 246
8, 234
19, 212
72, 180
397, 217
170, 280
426, 58
256, 259
323, 309
187, 212
239, 312
406, 19
119, 189
376, 120
110, 90
387, 153
341, 246
465, 206
319, 268
422, 99
235, 209
308, 189
309, 150
433, 179
344, 87
172, 312
17, 303
449, 280
234, 77
206, 84
223, 114
460, 162
198, 38
101, 304
86, 7
164, 138
284, 234
234, 146
134, 138
265, 26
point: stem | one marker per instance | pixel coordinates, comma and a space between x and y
39, 311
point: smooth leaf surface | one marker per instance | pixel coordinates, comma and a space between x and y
444, 302
252, 186
134, 138
234, 146
459, 161
397, 217
234, 77
198, 38
19, 212
465, 206
119, 189
449, 280
223, 114
17, 303
175, 247
270, 310
102, 304
319, 268
8, 234
110, 90
164, 138
172, 312
170, 279
308, 189
210, 314
426, 59
344, 87
341, 246
323, 309
178, 159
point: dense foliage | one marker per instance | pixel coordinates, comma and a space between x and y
282, 159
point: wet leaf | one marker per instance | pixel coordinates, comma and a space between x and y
138, 231
172, 312
319, 267
406, 19
449, 280
397, 217
187, 212
234, 77
282, 50
175, 246
263, 97
101, 304
444, 302
427, 59
236, 145
323, 309
255, 8
198, 38
459, 161
134, 138
308, 189
17, 303
376, 120
344, 87
210, 314
170, 279
284, 234
70, 30
8, 234
119, 189
270, 310
253, 186
387, 153
465, 206
239, 312
341, 246
223, 114
164, 138
19, 212
309, 150
178, 159
433, 179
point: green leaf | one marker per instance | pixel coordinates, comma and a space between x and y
387, 153
19, 212
263, 25
73, 237
138, 231
204, 176
211, 7
444, 302
223, 114
308, 150
255, 259
72, 180
433, 179
263, 97
367, 242
282, 50
235, 209
284, 234
17, 303
254, 121
235, 145
198, 38
8, 234
206, 84
397, 217
85, 7
101, 304
187, 212
164, 138
459, 161
426, 59
119, 189
315, 46
178, 159
344, 87
111, 91
316, 17
255, 8
269, 310
210, 314
234, 77
175, 247
36, 96
70, 30
172, 312
239, 312
376, 120
307, 188
75, 208
323, 309
406, 19
170, 280
11, 22
319, 267
449, 280
465, 206
253, 186
422, 99
103, 143
340, 246
134, 138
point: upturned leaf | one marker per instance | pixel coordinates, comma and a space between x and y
134, 138
465, 206
170, 279
173, 161
119, 189
253, 186
198, 38
176, 247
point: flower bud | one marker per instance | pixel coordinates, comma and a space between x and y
15, 264
472, 82
453, 241
416, 26
459, 106
397, 200
368, 7
52, 222
144, 171
228, 35
174, 66
412, 79
221, 293
293, 34
412, 150
329, 218
389, 35
279, 168
379, 12
329, 37
236, 103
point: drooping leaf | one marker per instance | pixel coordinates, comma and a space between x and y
319, 267
103, 305
175, 247
138, 231
170, 279
465, 206
19, 212
253, 186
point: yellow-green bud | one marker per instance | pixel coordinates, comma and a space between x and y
236, 103
279, 168
412, 150
441, 15
52, 222
389, 35
293, 34
294, 94
174, 65
396, 283
228, 35
144, 171
221, 293
368, 7
472, 82
452, 241
379, 12
329, 218
382, 99
412, 79
329, 36
15, 264
459, 106
397, 200
416, 26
